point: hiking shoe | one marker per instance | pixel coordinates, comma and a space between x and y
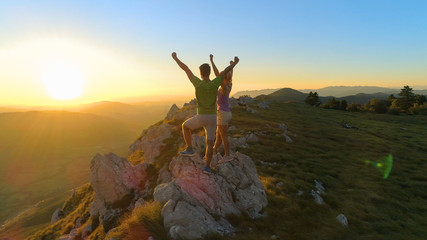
225, 159
207, 170
187, 153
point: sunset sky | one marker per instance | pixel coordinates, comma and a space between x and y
109, 50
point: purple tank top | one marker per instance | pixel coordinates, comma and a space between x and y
222, 100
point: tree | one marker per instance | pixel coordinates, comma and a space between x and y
312, 99
390, 99
343, 105
407, 99
332, 103
377, 105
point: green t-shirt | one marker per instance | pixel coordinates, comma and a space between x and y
206, 93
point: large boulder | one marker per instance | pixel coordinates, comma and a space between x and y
151, 141
197, 203
115, 182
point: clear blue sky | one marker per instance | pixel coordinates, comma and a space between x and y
300, 44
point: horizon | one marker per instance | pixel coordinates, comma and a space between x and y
71, 53
179, 99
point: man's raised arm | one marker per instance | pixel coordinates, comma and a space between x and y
229, 68
213, 66
184, 67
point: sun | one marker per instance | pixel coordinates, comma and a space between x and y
63, 81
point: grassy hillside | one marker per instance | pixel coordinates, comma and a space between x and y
287, 94
376, 208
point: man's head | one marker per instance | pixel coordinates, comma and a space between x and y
205, 70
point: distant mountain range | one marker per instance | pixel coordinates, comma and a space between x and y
289, 94
335, 91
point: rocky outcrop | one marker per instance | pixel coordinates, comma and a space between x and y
56, 216
197, 203
172, 111
116, 183
151, 141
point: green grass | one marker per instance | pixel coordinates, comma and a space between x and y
376, 208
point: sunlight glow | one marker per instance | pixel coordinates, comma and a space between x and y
63, 82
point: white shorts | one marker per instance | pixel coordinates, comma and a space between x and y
208, 122
223, 117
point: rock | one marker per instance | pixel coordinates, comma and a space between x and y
288, 139
343, 220
319, 187
113, 178
215, 158
236, 143
193, 198
167, 191
111, 219
115, 182
231, 128
279, 184
244, 100
317, 197
187, 111
192, 103
273, 237
232, 102
199, 144
87, 231
56, 216
172, 111
300, 193
139, 203
283, 126
151, 141
253, 111
263, 105
252, 138
164, 176
193, 222
79, 222
65, 237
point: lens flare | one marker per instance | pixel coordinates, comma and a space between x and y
384, 165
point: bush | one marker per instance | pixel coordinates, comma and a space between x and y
331, 104
354, 107
377, 105
419, 109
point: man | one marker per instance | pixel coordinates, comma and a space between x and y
206, 94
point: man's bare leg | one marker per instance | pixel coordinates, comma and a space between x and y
186, 132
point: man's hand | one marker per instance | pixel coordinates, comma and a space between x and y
211, 57
174, 55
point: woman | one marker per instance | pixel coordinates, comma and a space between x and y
223, 112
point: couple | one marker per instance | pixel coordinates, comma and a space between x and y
207, 94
